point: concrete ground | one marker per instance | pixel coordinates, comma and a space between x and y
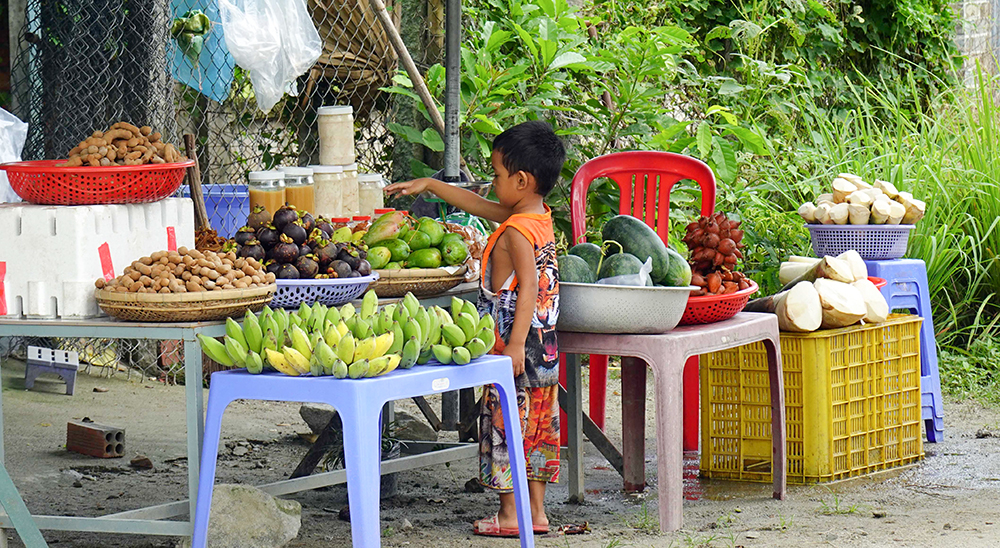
949, 499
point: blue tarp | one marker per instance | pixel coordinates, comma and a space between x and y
213, 76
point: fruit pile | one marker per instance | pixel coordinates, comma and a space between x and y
345, 342
396, 240
123, 144
293, 245
188, 270
628, 243
715, 243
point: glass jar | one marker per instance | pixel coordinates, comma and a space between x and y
370, 193
300, 191
336, 135
329, 181
360, 222
340, 222
267, 188
351, 205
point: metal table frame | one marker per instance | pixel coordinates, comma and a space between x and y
152, 520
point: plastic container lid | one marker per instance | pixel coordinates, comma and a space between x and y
265, 175
384, 210
335, 110
293, 171
326, 169
350, 167
339, 219
370, 177
361, 218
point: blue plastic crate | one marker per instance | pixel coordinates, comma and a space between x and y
228, 206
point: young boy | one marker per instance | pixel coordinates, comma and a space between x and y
520, 289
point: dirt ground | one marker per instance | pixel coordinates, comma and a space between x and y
949, 499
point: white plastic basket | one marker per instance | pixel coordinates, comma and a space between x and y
331, 292
872, 242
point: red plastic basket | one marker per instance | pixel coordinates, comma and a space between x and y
715, 308
43, 182
879, 282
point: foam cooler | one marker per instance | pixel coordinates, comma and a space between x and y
51, 255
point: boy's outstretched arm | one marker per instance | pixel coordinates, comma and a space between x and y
522, 254
459, 197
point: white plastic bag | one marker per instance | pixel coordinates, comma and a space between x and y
274, 40
13, 132
641, 279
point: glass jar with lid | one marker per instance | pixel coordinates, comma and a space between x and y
329, 182
267, 189
371, 195
351, 206
336, 134
300, 190
340, 222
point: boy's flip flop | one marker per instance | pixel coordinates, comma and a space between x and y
490, 527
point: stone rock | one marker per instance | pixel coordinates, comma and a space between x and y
246, 517
317, 415
141, 462
411, 428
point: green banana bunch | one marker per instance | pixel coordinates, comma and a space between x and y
234, 330
347, 311
252, 332
453, 335
296, 359
468, 324
333, 315
385, 317
358, 369
304, 312
460, 355
442, 353
398, 339
457, 307
369, 304
235, 351
411, 303
340, 369
301, 342
325, 355
411, 351
412, 329
345, 348
215, 350
255, 364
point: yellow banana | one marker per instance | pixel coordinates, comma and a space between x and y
377, 366
342, 328
296, 359
234, 330
331, 334
215, 350
365, 349
394, 361
345, 348
358, 369
277, 360
382, 344
300, 342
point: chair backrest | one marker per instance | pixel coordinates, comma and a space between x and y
644, 179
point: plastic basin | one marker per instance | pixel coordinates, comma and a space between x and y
593, 308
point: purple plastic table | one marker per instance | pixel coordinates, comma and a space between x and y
666, 355
359, 402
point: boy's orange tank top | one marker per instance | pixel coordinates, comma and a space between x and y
540, 349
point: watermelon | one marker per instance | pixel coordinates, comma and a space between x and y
640, 241
574, 269
621, 264
679, 271
590, 253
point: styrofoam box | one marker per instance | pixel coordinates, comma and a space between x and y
52, 252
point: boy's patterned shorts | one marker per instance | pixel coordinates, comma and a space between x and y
539, 413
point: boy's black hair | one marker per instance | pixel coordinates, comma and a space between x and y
534, 148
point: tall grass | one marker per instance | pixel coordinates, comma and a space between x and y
947, 157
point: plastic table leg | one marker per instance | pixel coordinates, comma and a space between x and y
634, 424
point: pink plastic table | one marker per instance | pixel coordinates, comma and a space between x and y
666, 355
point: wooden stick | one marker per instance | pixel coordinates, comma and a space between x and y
194, 183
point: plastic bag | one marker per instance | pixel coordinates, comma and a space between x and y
274, 40
13, 132
641, 279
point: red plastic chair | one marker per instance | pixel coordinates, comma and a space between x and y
644, 179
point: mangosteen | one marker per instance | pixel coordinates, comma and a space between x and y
296, 231
244, 235
354, 274
231, 245
315, 237
259, 217
272, 266
362, 253
351, 259
364, 268
304, 250
307, 220
252, 249
325, 226
326, 253
268, 236
307, 266
339, 269
285, 251
286, 214
287, 272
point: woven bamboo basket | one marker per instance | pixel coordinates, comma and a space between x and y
422, 282
183, 307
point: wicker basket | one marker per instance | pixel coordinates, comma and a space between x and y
183, 307
422, 282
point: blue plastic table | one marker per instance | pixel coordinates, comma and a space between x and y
359, 402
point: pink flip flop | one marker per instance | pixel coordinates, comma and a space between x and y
490, 527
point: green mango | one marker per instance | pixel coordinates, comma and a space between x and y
417, 240
454, 252
425, 258
379, 257
451, 237
394, 265
398, 249
433, 229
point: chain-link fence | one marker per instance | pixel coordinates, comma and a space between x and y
82, 65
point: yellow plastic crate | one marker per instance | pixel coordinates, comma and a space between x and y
852, 404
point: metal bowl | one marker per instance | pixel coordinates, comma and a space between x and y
594, 308
481, 188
